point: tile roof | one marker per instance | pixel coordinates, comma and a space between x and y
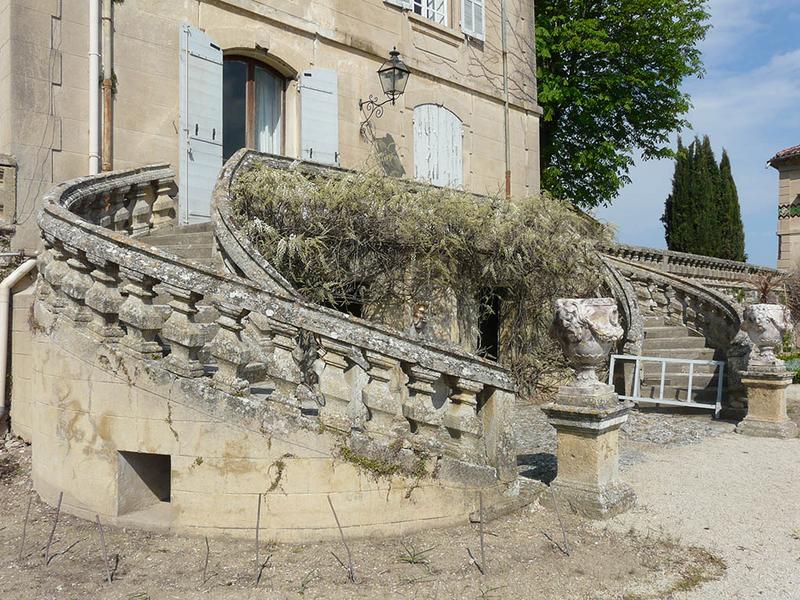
786, 153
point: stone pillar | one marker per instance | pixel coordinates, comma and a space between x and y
230, 350
766, 378
334, 385
766, 405
587, 414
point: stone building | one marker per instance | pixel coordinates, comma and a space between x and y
190, 82
787, 163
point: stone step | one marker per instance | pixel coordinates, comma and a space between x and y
705, 395
179, 239
655, 345
687, 353
670, 331
653, 321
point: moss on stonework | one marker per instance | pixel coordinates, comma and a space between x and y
388, 463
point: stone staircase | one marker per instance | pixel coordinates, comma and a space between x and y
676, 341
194, 242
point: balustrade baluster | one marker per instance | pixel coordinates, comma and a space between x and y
163, 211
55, 272
144, 197
184, 335
104, 299
419, 409
337, 388
75, 284
122, 214
461, 418
230, 350
382, 401
142, 320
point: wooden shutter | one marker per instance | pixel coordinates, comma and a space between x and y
319, 116
473, 18
438, 141
200, 123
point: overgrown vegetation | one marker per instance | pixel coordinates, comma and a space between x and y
395, 247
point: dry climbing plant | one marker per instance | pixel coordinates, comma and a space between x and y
377, 241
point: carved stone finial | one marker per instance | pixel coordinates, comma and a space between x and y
766, 325
587, 328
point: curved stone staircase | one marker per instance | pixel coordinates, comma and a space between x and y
172, 393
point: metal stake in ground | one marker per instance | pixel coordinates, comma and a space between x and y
484, 566
351, 574
258, 526
53, 530
103, 547
25, 525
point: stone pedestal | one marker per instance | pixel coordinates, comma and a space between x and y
587, 422
766, 404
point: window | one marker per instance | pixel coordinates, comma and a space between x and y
435, 10
252, 104
472, 18
438, 141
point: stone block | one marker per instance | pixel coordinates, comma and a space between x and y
766, 405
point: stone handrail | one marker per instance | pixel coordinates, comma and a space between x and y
361, 376
692, 266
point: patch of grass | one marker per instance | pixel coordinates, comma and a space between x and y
703, 567
412, 556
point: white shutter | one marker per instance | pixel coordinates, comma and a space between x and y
200, 122
438, 141
401, 3
473, 18
319, 116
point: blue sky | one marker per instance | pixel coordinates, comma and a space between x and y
749, 103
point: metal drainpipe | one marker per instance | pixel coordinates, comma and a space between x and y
94, 87
5, 303
504, 43
108, 85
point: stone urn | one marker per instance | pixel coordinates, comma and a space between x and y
766, 325
587, 329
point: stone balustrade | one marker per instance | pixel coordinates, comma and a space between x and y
731, 277
353, 375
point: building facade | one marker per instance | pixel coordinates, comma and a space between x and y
189, 82
787, 163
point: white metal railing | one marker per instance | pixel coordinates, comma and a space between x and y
638, 360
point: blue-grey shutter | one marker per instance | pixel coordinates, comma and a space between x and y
200, 123
438, 146
473, 18
319, 116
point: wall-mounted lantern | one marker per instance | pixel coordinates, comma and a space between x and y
393, 75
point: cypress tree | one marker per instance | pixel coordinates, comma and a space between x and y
702, 214
732, 228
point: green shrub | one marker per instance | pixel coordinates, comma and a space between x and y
381, 241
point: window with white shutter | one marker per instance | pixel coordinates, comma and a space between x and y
438, 141
473, 18
200, 122
319, 116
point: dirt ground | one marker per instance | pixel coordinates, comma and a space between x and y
521, 559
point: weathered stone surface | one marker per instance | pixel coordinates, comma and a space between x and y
766, 404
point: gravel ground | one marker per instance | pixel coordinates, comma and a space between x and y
734, 495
